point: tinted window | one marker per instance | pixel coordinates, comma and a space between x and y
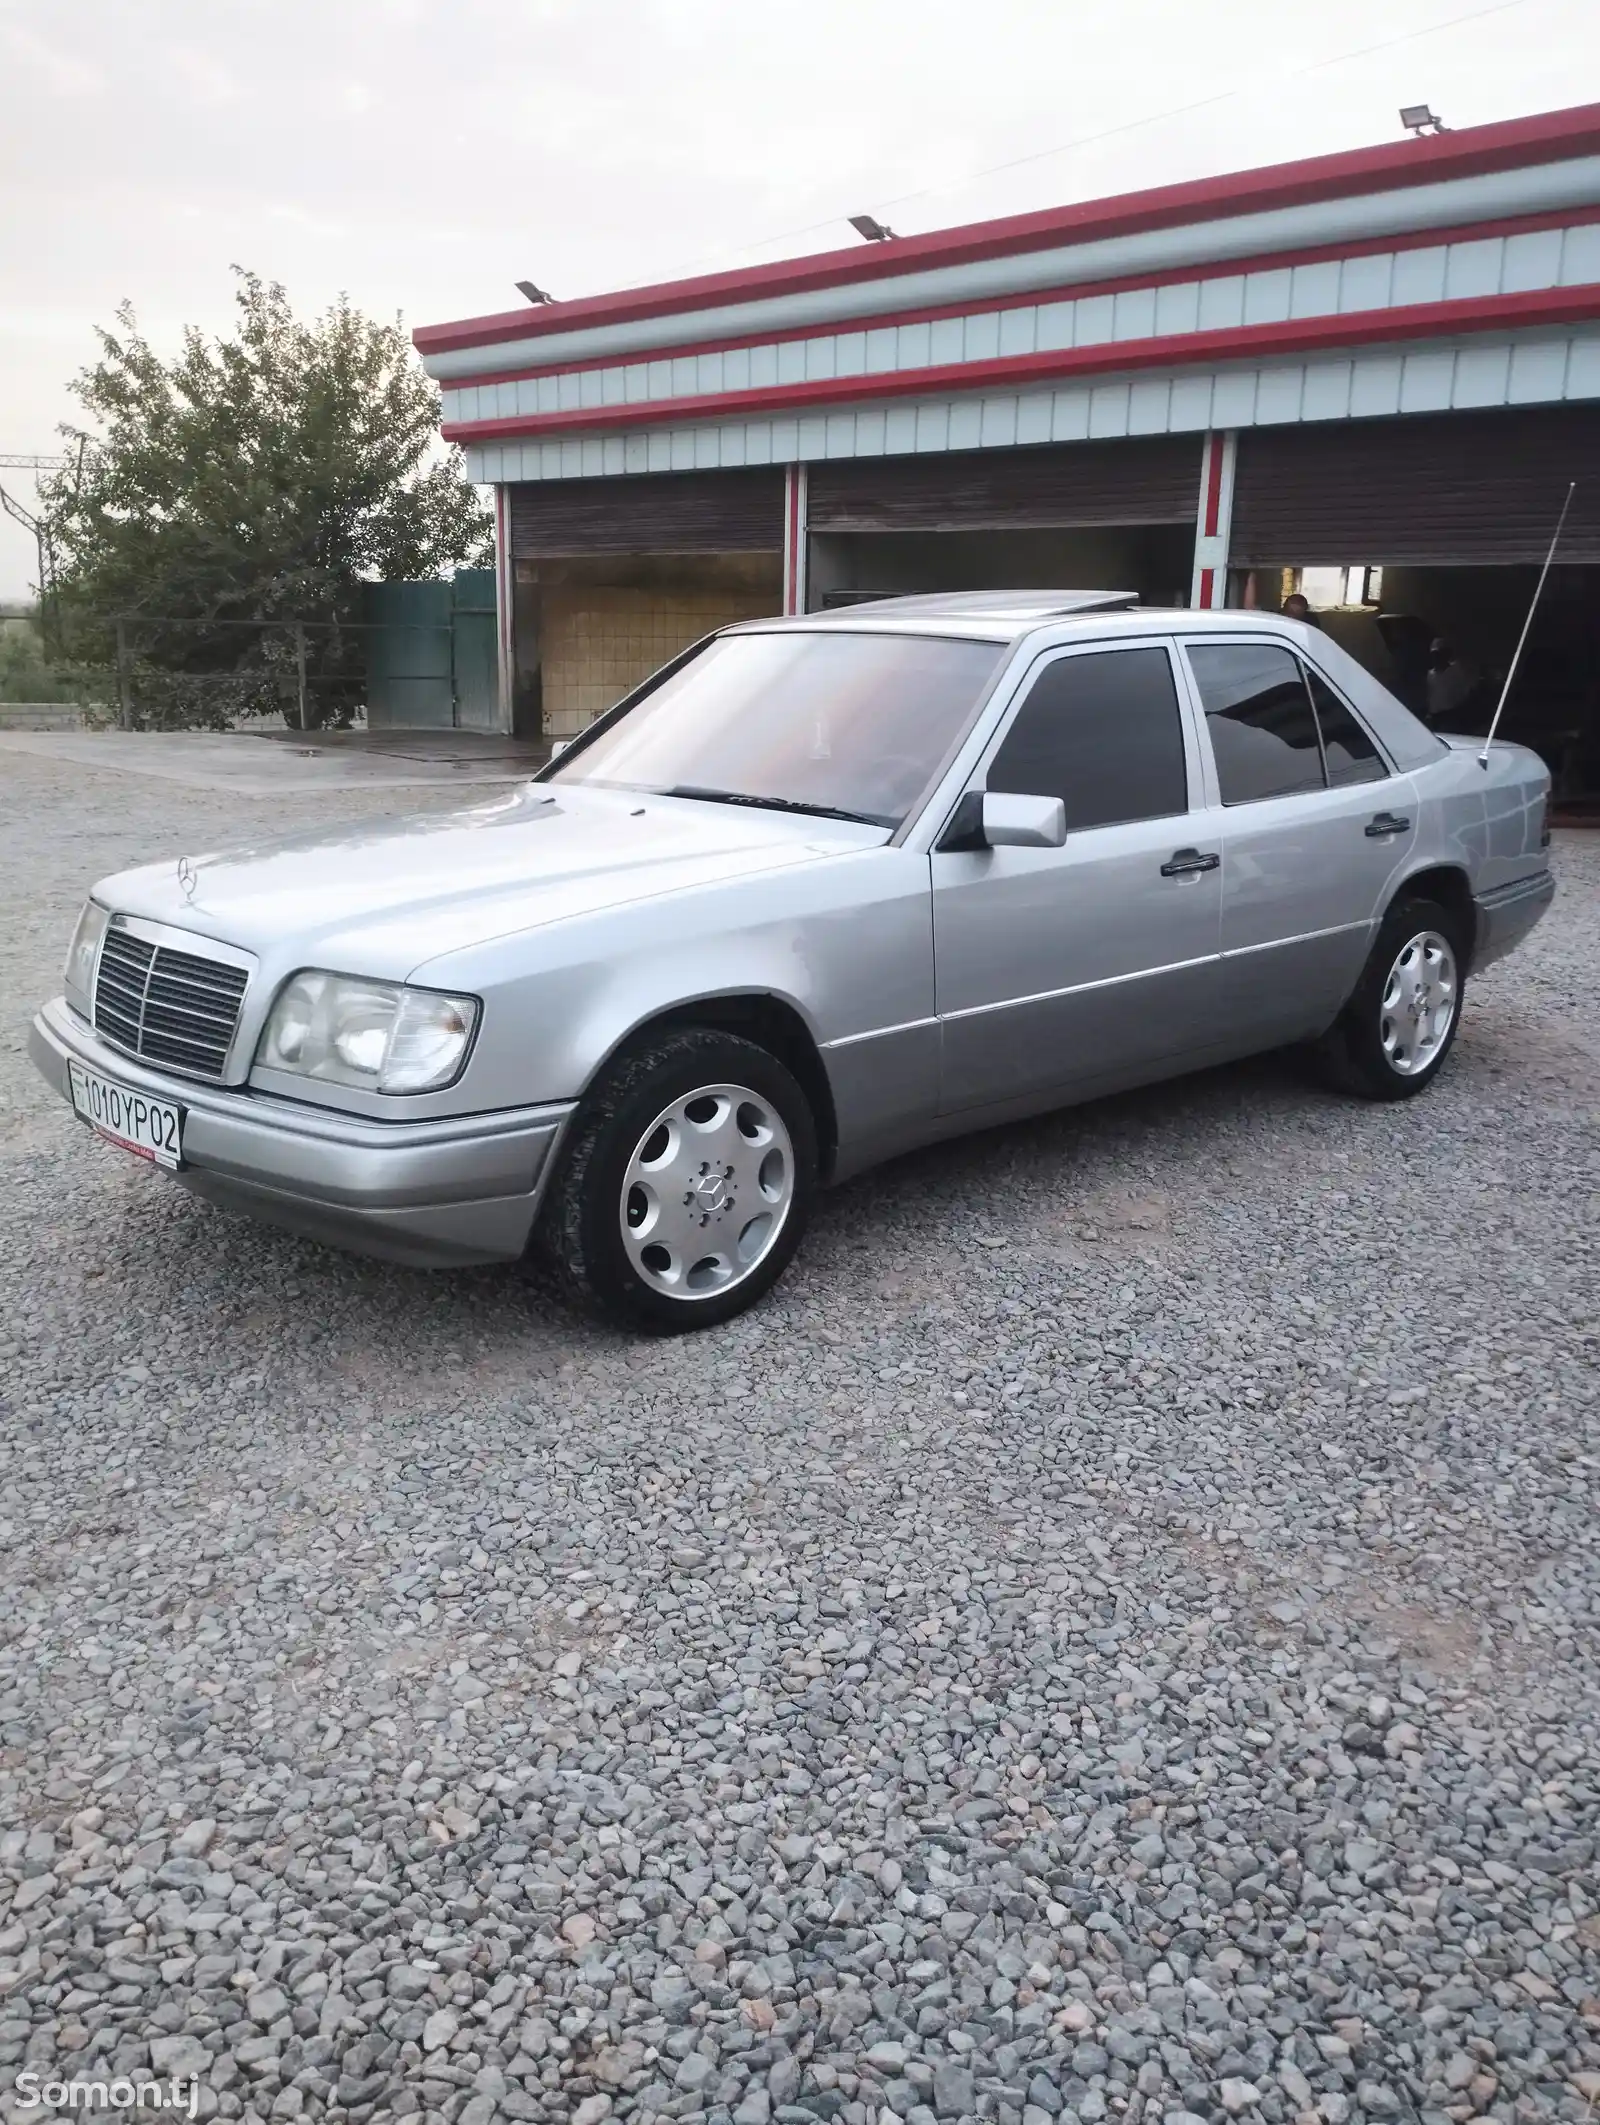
1259, 714
835, 719
1351, 754
1103, 734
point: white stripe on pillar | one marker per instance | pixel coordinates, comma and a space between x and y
505, 607
1214, 519
794, 539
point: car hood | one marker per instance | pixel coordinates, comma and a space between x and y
384, 897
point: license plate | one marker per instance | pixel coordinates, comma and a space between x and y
150, 1128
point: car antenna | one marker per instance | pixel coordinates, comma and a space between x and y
1494, 725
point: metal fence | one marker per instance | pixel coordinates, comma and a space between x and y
179, 671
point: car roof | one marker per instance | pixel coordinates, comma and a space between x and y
1008, 615
1020, 605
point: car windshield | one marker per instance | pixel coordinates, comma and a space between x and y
841, 723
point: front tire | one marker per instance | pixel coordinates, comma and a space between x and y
687, 1183
1392, 1038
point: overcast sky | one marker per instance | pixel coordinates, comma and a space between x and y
424, 154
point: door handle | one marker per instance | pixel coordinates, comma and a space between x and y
1183, 863
1386, 823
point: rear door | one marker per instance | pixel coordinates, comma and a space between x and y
1059, 967
1317, 828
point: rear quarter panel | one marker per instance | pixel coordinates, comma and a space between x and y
1488, 820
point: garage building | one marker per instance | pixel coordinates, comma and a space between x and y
1371, 375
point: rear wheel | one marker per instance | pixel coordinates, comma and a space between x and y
1392, 1038
686, 1185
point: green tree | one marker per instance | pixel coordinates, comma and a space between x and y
26, 670
252, 481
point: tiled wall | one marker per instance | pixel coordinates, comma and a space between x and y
1531, 369
1446, 272
597, 643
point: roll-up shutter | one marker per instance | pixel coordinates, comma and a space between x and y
668, 512
1151, 479
1429, 491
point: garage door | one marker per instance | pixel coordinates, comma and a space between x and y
1425, 492
668, 512
1145, 480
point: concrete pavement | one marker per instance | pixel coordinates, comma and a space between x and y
273, 763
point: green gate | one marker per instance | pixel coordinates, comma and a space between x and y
475, 651
432, 654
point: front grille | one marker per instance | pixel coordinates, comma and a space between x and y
167, 1006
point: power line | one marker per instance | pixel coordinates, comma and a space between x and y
1112, 132
1365, 51
15, 462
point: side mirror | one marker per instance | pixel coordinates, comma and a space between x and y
1002, 819
1016, 822
558, 746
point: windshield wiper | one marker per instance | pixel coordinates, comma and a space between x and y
777, 804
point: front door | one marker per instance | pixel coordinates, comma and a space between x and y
1317, 829
1057, 968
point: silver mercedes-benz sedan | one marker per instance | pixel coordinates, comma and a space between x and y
820, 891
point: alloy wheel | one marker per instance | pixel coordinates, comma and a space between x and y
1419, 1003
707, 1191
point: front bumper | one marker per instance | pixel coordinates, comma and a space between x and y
431, 1193
1505, 915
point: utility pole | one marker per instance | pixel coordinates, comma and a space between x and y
124, 682
47, 571
38, 461
300, 671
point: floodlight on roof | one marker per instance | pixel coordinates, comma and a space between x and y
1419, 119
532, 294
869, 226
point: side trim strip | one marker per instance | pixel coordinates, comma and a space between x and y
1081, 988
1276, 944
854, 1040
1176, 966
1110, 981
1500, 897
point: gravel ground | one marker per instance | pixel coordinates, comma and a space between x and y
1115, 1637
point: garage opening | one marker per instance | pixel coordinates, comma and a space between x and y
1094, 516
1418, 545
615, 576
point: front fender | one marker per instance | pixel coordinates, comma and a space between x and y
846, 944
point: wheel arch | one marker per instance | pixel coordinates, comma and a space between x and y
1449, 885
772, 1023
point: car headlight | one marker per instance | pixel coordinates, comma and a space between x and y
378, 1035
84, 950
